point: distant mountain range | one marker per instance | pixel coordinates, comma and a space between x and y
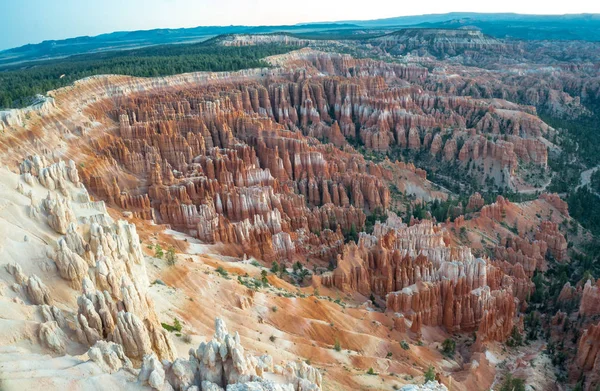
534, 27
584, 27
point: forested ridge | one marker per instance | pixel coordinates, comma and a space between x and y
19, 85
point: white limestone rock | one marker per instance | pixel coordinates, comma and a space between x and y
53, 337
38, 292
109, 356
70, 265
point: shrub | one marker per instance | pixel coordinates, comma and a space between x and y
175, 327
274, 309
274, 267
158, 251
448, 347
297, 266
429, 374
187, 338
513, 384
272, 338
263, 277
337, 346
404, 345
515, 339
303, 274
177, 324
222, 271
371, 372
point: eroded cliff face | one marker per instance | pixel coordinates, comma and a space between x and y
439, 42
426, 281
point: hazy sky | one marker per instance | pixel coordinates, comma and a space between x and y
32, 21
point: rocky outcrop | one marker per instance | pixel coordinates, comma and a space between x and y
476, 202
590, 298
557, 202
53, 337
587, 359
109, 356
428, 282
107, 265
37, 291
60, 215
429, 386
70, 265
557, 244
222, 363
439, 42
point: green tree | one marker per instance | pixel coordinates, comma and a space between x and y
274, 267
352, 235
303, 274
337, 346
448, 347
430, 374
516, 338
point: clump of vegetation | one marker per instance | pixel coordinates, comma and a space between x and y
187, 338
300, 272
373, 300
171, 257
252, 283
222, 271
378, 214
515, 339
175, 327
255, 263
337, 346
263, 277
274, 309
158, 251
429, 374
512, 384
272, 338
351, 234
448, 347
404, 345
274, 267
371, 371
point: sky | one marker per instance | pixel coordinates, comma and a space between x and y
33, 21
